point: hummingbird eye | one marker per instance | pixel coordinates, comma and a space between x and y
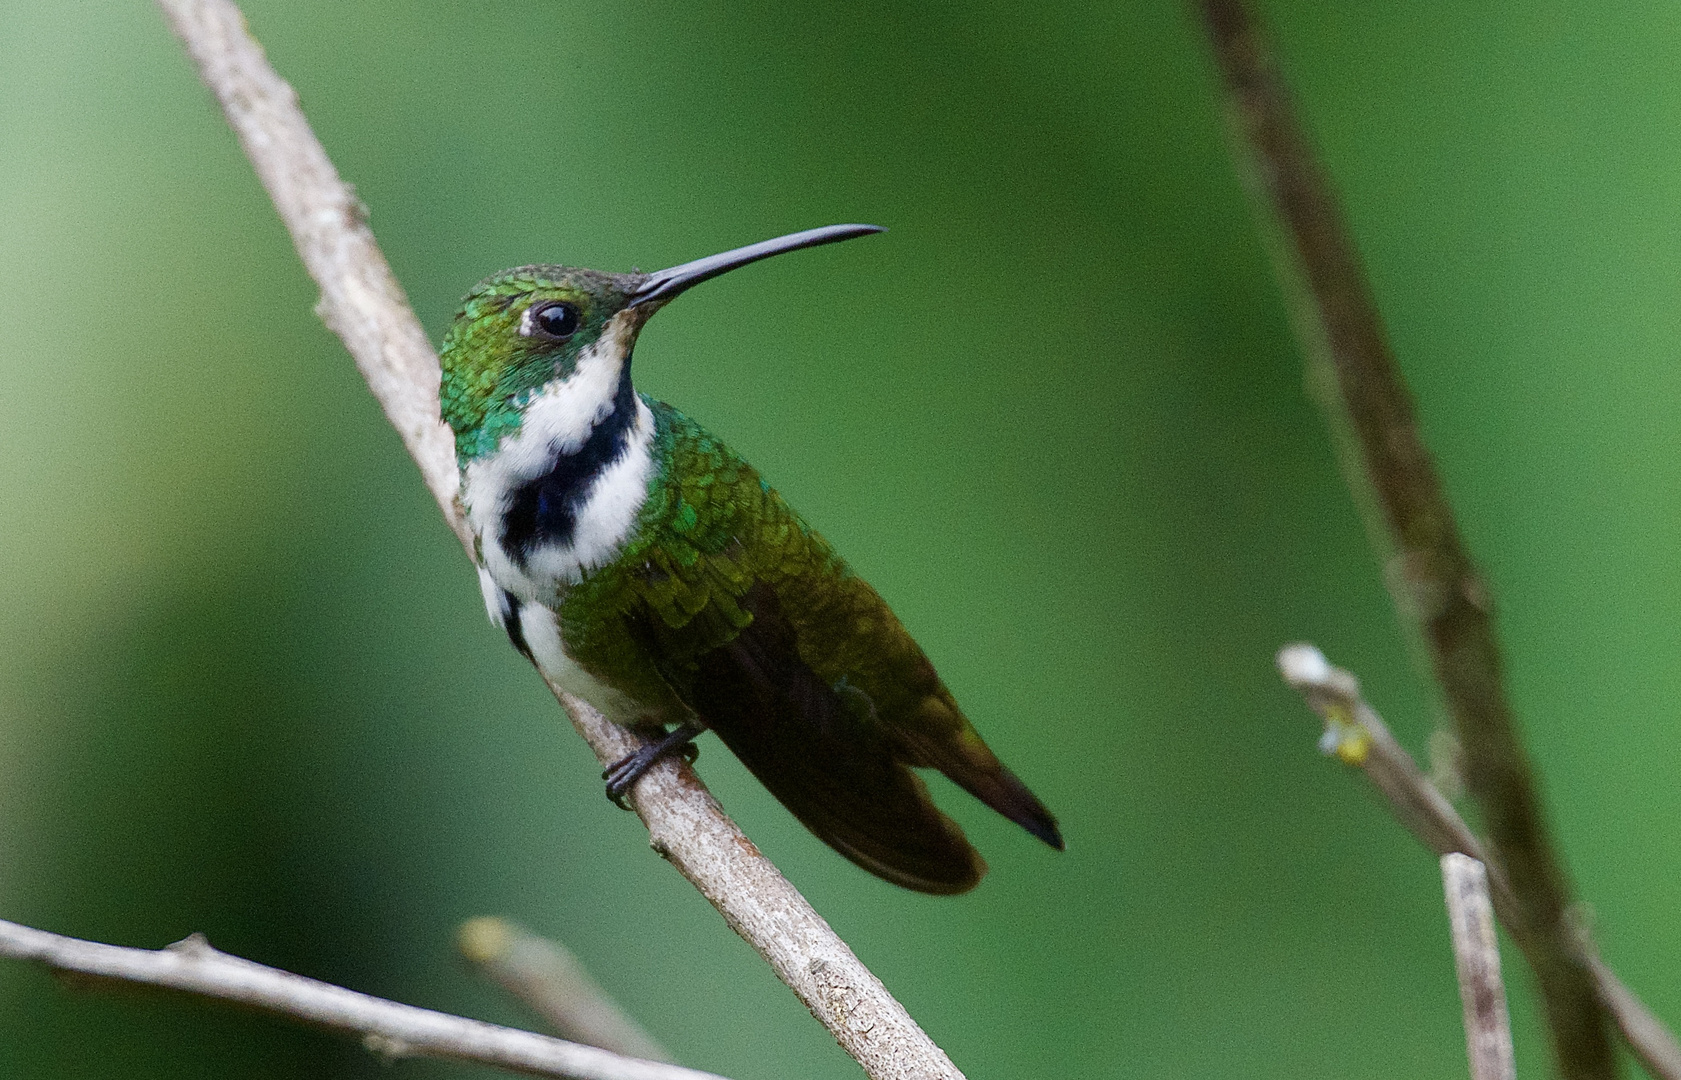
556, 321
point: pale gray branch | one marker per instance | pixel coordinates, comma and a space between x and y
363, 304
361, 301
553, 983
688, 827
1476, 955
1357, 734
387, 1027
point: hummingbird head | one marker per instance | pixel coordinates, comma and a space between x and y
533, 330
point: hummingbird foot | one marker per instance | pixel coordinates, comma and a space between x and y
623, 774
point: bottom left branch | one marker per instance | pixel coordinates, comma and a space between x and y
387, 1027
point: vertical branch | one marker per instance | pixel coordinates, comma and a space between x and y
1436, 587
1357, 734
362, 302
1476, 956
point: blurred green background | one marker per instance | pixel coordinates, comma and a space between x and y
1055, 415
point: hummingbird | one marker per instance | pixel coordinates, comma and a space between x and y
643, 566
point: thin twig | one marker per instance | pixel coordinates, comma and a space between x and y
362, 302
1355, 733
1435, 585
1476, 956
386, 1027
550, 981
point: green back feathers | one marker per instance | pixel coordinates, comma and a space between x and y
710, 531
726, 603
720, 604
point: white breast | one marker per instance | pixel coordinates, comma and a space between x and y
558, 421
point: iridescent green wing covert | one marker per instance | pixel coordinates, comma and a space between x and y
730, 604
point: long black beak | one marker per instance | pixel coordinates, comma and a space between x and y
664, 284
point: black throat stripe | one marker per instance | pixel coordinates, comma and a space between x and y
545, 511
513, 621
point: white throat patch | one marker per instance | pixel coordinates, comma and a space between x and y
556, 424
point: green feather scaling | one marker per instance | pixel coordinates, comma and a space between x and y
711, 534
710, 530
715, 606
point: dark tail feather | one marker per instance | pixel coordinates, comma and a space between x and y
977, 770
796, 735
1005, 793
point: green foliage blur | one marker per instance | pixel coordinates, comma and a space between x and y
1055, 415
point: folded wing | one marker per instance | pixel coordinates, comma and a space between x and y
813, 747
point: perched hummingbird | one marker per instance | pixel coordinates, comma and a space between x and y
642, 565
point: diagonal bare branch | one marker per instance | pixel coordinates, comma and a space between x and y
387, 1027
553, 983
1436, 587
362, 302
1356, 733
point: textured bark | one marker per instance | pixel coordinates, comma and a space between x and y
1358, 735
362, 302
386, 1027
689, 829
1435, 587
1476, 955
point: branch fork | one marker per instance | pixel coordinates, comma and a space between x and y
1431, 818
